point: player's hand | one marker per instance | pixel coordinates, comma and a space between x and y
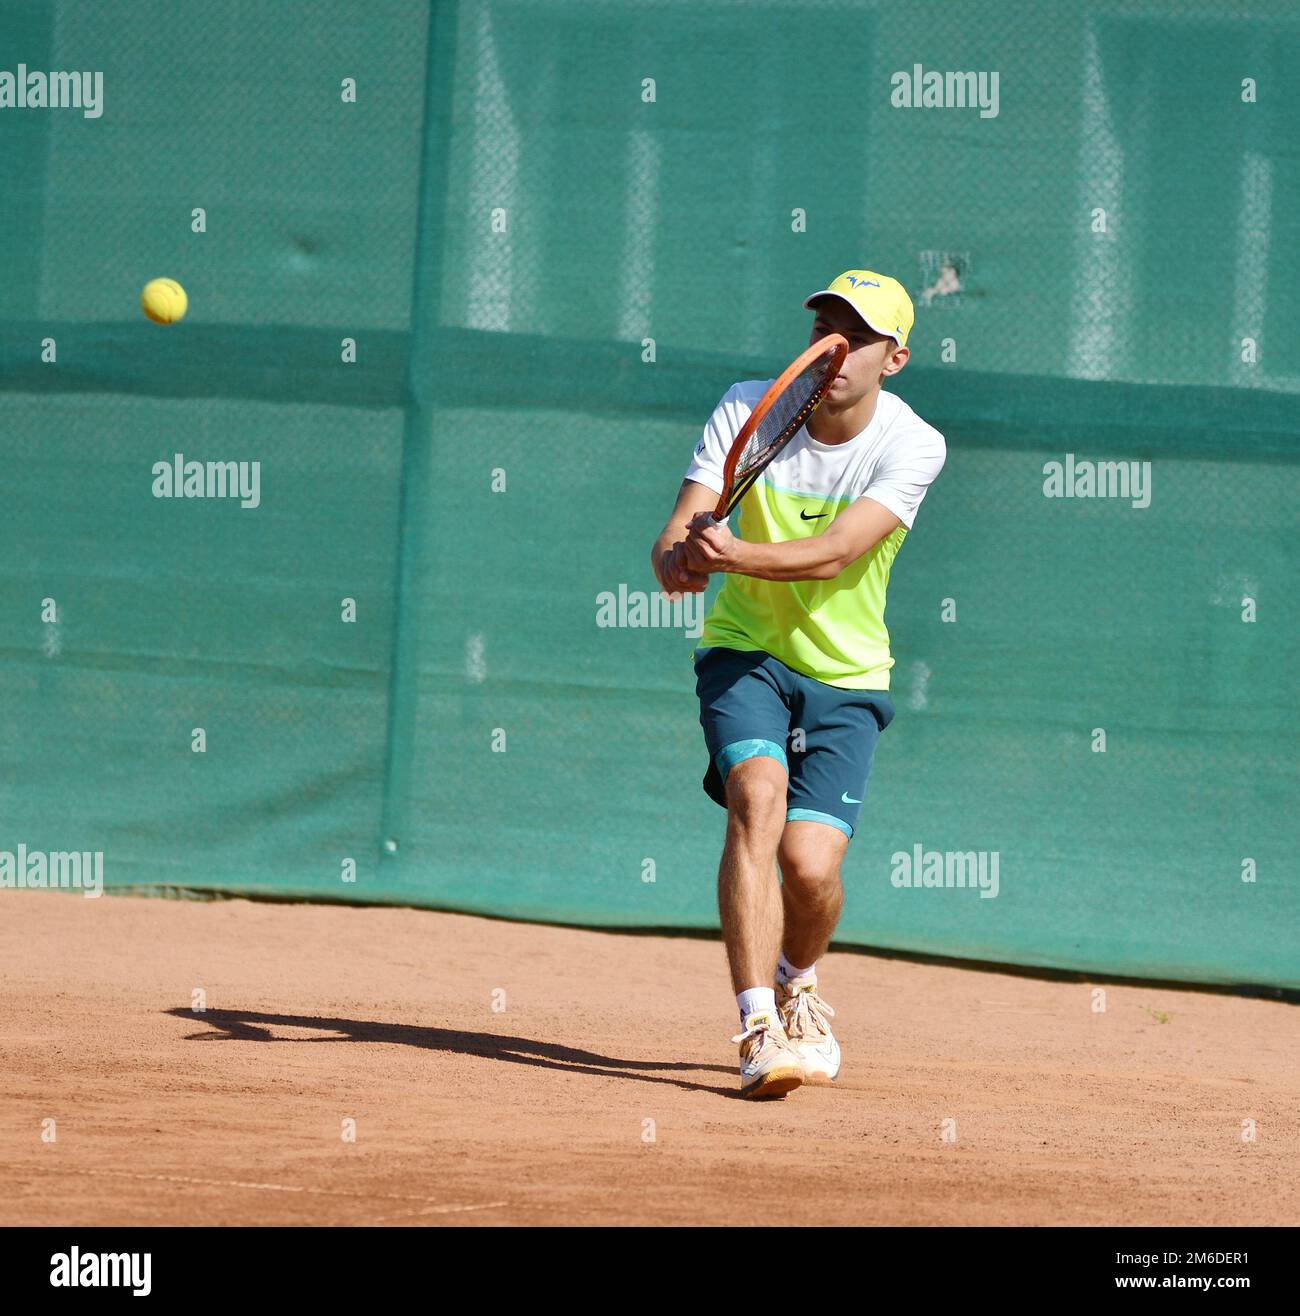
675, 576
708, 546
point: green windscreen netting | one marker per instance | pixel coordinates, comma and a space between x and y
466, 280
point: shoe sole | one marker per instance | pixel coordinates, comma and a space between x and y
775, 1083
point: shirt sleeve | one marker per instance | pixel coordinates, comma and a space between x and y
909, 469
710, 456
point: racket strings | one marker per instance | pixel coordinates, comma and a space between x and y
786, 415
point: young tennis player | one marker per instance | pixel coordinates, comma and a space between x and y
792, 670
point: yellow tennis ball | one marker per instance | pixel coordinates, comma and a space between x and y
164, 301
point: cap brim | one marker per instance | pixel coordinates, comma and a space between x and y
839, 296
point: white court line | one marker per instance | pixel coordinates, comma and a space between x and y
434, 1210
262, 1187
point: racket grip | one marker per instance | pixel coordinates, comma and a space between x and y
714, 520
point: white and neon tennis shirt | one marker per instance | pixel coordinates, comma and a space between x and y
831, 630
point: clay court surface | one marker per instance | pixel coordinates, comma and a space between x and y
604, 1091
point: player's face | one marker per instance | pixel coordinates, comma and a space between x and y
871, 355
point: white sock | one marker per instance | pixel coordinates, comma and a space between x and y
756, 1000
785, 970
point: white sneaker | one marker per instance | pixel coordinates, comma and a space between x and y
769, 1066
806, 1020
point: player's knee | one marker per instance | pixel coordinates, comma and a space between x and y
810, 870
756, 792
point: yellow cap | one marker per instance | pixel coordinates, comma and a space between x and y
881, 301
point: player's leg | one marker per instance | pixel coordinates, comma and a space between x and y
749, 897
830, 764
810, 854
812, 895
745, 718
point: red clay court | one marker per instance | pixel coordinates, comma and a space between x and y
604, 1092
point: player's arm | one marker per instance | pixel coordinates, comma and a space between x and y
857, 530
667, 555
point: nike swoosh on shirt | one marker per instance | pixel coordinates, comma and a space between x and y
816, 516
844, 799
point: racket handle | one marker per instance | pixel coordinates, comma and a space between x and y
714, 520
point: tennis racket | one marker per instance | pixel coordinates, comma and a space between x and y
776, 420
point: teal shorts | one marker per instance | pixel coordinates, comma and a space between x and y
751, 705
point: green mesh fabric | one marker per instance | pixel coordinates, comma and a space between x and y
551, 235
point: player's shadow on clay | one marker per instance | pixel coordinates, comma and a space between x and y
250, 1026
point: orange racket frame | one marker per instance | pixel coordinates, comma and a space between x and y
840, 349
